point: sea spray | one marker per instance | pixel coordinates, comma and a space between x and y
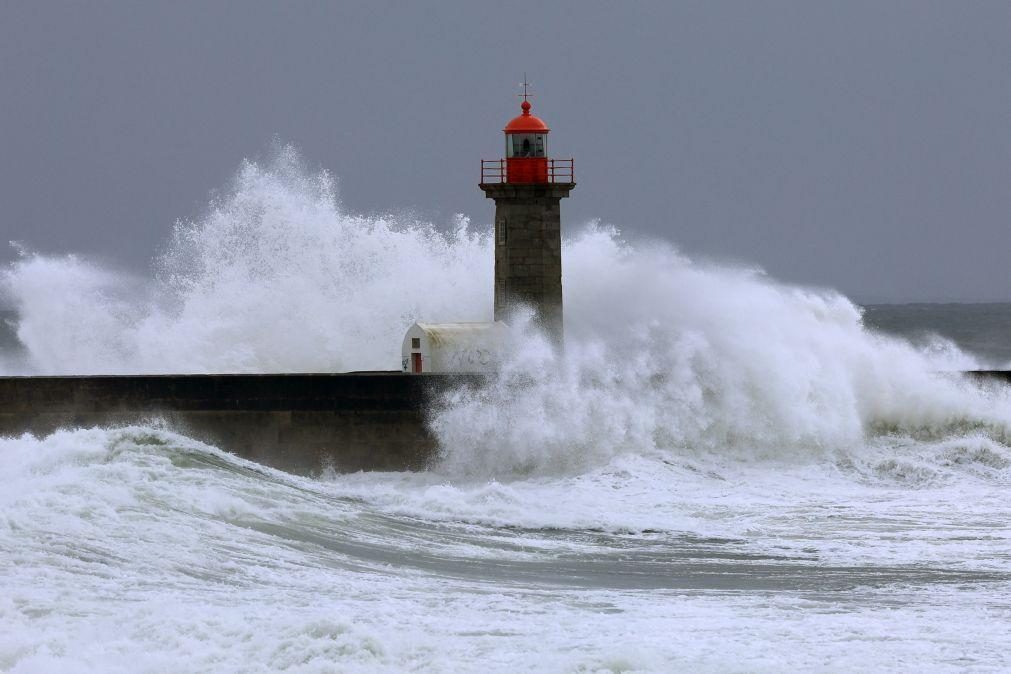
275, 277
662, 354
666, 355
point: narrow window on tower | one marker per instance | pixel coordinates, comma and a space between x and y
501, 226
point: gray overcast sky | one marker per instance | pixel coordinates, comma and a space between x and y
859, 145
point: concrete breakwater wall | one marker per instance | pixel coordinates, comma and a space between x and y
295, 422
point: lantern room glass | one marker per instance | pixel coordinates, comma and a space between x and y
526, 145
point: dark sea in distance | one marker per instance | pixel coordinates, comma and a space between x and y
981, 329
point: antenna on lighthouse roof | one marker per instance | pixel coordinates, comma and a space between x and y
525, 86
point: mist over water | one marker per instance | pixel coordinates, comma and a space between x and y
719, 471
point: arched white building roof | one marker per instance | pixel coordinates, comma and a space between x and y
453, 347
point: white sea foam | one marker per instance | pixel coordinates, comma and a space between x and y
137, 550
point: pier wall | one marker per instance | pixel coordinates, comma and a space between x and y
300, 423
295, 422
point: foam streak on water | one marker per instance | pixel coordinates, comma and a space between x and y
720, 472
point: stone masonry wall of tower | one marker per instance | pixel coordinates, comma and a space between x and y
528, 251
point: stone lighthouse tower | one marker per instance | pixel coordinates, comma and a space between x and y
527, 187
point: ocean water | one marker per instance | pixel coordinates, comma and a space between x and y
981, 329
720, 473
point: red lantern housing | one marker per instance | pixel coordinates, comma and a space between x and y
526, 157
526, 148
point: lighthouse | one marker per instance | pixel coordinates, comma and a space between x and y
528, 186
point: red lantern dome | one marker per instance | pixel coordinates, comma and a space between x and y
526, 123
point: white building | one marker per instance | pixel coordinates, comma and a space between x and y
453, 347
